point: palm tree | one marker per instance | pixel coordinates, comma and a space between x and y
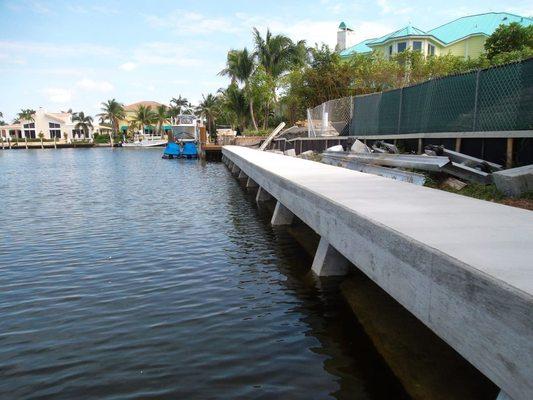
161, 116
113, 112
208, 108
83, 122
144, 116
277, 54
26, 115
236, 102
240, 66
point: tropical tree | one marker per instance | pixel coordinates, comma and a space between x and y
112, 112
26, 115
83, 122
240, 66
209, 108
144, 116
234, 100
509, 38
161, 117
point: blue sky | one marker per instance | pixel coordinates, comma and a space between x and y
64, 54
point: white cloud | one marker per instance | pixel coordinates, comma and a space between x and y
58, 95
163, 53
12, 48
191, 23
94, 86
128, 66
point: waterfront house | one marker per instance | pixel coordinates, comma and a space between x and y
50, 124
464, 37
131, 109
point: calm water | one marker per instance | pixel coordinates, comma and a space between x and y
123, 275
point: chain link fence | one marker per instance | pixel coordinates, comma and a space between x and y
331, 118
493, 99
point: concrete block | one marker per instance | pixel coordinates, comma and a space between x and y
514, 181
282, 215
262, 195
290, 152
328, 261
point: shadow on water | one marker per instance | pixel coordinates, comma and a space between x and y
349, 353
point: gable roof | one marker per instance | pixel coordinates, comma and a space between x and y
146, 103
400, 33
484, 24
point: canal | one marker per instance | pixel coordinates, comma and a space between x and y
123, 275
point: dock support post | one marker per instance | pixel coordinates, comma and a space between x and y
262, 195
420, 146
328, 261
458, 144
282, 215
509, 158
235, 170
242, 175
250, 183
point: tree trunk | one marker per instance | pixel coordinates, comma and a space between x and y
267, 112
252, 114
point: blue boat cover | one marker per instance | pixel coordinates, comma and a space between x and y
172, 149
189, 149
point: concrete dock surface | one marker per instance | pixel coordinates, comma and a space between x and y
462, 266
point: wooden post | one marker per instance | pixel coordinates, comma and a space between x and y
458, 144
420, 146
509, 159
55, 144
26, 141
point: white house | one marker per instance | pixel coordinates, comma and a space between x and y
52, 125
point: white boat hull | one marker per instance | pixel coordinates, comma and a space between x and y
146, 143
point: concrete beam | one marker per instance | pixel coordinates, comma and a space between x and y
262, 195
250, 183
235, 170
328, 261
282, 215
461, 266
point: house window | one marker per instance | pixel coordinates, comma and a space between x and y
402, 46
417, 46
390, 50
55, 131
79, 132
29, 130
431, 49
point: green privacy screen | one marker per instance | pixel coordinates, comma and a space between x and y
493, 99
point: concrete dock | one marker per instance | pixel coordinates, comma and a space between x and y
464, 267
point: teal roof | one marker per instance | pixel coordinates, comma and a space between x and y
400, 33
357, 48
480, 24
344, 27
484, 24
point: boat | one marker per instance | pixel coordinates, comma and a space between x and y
151, 142
183, 138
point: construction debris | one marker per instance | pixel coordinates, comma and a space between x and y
515, 181
336, 148
410, 161
341, 160
271, 137
384, 147
360, 147
290, 152
454, 183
